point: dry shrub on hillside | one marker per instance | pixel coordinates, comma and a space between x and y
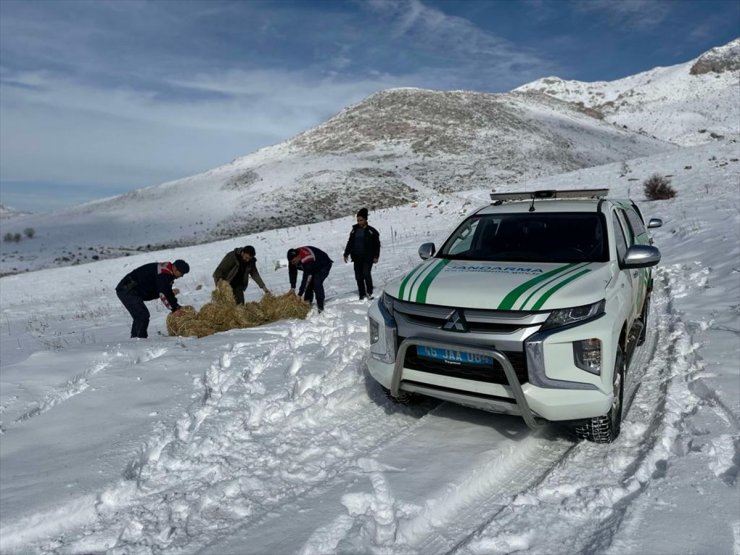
222, 313
658, 187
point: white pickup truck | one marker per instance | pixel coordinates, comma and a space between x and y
533, 307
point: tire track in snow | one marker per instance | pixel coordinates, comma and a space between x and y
446, 524
582, 503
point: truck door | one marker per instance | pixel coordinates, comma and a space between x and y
634, 277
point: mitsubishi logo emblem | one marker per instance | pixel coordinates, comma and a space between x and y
456, 322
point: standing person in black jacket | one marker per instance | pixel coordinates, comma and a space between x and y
146, 283
236, 268
364, 248
315, 265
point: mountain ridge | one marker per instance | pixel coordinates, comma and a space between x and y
676, 104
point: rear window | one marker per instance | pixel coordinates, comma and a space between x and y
531, 237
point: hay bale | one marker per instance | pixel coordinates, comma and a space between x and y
250, 315
223, 294
222, 313
220, 316
283, 307
185, 322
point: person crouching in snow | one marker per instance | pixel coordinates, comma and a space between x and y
146, 283
236, 268
363, 246
315, 265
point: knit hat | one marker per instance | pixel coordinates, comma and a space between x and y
182, 266
249, 249
292, 253
362, 213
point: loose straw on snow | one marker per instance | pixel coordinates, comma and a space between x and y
222, 313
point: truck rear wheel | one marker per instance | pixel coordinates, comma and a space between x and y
605, 429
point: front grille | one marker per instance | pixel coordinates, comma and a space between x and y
500, 322
475, 372
473, 327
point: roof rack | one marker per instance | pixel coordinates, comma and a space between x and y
500, 198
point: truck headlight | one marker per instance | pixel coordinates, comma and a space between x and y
567, 316
383, 335
587, 355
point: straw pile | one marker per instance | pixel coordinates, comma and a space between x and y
222, 313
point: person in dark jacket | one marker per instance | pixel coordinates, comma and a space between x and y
363, 246
236, 268
315, 265
146, 283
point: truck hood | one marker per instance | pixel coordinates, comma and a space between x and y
503, 285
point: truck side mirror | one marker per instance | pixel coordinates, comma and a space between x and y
640, 256
427, 251
655, 222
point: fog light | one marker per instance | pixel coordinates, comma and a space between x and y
374, 329
587, 355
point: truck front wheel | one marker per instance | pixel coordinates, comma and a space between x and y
605, 429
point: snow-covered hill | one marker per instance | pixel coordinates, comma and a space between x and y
395, 147
6, 213
274, 440
687, 104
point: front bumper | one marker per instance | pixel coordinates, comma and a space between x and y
532, 399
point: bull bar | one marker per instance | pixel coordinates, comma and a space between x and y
526, 413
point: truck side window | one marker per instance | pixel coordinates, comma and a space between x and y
619, 238
629, 231
464, 237
635, 222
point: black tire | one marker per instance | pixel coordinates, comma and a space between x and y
605, 429
404, 398
644, 318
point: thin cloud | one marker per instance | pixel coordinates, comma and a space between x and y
629, 14
459, 43
88, 134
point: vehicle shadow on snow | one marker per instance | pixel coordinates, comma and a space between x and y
510, 427
415, 405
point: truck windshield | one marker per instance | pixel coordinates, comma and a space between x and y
530, 237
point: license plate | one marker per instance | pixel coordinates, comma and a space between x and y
453, 357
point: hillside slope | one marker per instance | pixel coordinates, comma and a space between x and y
395, 147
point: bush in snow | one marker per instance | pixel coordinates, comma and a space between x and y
658, 187
29, 232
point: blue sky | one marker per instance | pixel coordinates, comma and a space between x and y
100, 97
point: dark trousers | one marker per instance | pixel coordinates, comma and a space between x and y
316, 285
138, 310
363, 276
238, 294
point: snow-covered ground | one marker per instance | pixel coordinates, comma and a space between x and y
274, 439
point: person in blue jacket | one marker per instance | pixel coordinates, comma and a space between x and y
146, 283
316, 266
